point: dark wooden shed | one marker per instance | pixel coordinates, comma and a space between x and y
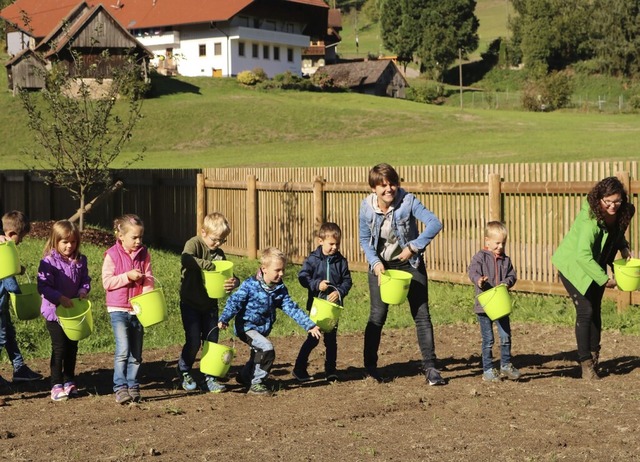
26, 70
376, 77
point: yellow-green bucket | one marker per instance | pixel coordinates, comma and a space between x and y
9, 261
26, 305
627, 274
394, 287
77, 321
496, 302
214, 280
216, 359
150, 307
325, 314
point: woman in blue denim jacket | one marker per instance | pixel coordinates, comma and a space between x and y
390, 240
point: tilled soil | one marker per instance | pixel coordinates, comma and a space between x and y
550, 414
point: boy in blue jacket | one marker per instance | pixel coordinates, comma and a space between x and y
325, 274
254, 307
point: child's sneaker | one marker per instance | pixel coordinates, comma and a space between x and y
134, 392
259, 389
71, 390
433, 376
122, 395
510, 372
24, 374
331, 377
491, 376
302, 376
188, 384
58, 394
213, 386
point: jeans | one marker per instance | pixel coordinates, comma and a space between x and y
262, 357
8, 338
128, 333
330, 343
588, 317
198, 326
504, 332
63, 355
419, 304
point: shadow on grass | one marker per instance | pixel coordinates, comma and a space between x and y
162, 85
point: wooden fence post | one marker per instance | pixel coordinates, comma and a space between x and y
318, 203
201, 193
623, 299
252, 217
495, 197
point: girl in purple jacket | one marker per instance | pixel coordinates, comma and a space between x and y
62, 275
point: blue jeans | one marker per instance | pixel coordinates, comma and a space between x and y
8, 338
262, 356
419, 304
198, 326
128, 333
504, 332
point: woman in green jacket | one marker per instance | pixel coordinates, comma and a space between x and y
582, 257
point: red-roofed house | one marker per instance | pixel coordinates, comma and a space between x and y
193, 37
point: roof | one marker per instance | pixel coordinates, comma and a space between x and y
358, 73
44, 15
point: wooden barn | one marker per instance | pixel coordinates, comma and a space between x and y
377, 77
26, 70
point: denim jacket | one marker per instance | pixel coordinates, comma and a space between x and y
406, 210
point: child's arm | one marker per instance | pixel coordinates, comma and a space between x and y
11, 285
110, 280
191, 261
476, 271
345, 283
234, 304
148, 282
305, 276
85, 280
510, 276
293, 310
46, 283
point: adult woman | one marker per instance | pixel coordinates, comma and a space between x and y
390, 239
582, 258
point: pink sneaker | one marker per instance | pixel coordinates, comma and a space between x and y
71, 390
58, 393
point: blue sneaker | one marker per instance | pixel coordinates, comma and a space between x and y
510, 372
188, 384
213, 386
491, 375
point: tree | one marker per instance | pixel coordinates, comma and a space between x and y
395, 37
80, 120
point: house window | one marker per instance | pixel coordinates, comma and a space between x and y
254, 50
202, 50
270, 25
265, 51
217, 49
256, 23
276, 53
289, 27
240, 48
290, 55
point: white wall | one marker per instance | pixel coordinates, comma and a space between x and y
16, 42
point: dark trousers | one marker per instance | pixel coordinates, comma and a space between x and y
418, 303
588, 317
331, 345
198, 326
63, 355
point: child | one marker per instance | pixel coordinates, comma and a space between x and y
126, 272
325, 271
63, 274
15, 226
199, 312
489, 268
254, 306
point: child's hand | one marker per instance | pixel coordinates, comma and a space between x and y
626, 253
611, 283
482, 280
324, 285
333, 296
66, 302
82, 295
222, 325
230, 284
315, 332
134, 275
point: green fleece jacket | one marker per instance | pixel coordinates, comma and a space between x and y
580, 258
196, 257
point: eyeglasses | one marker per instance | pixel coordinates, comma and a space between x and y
215, 240
608, 204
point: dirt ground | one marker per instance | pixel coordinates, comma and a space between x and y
550, 414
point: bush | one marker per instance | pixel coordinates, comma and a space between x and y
260, 74
634, 102
323, 81
247, 78
548, 93
427, 92
287, 81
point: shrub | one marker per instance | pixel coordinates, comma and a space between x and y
427, 92
323, 81
634, 102
247, 78
548, 93
260, 74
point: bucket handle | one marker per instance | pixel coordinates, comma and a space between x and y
337, 291
233, 338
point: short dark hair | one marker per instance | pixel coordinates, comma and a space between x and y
330, 229
382, 172
17, 222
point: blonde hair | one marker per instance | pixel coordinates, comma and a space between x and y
216, 223
270, 255
17, 222
62, 230
495, 228
125, 222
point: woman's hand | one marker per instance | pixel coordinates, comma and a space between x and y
378, 270
626, 253
406, 254
611, 283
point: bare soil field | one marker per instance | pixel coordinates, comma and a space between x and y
550, 414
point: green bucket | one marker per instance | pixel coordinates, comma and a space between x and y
9, 261
150, 307
214, 280
627, 274
216, 359
26, 305
325, 314
77, 321
496, 302
394, 287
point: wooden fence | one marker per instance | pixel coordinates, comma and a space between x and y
538, 203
